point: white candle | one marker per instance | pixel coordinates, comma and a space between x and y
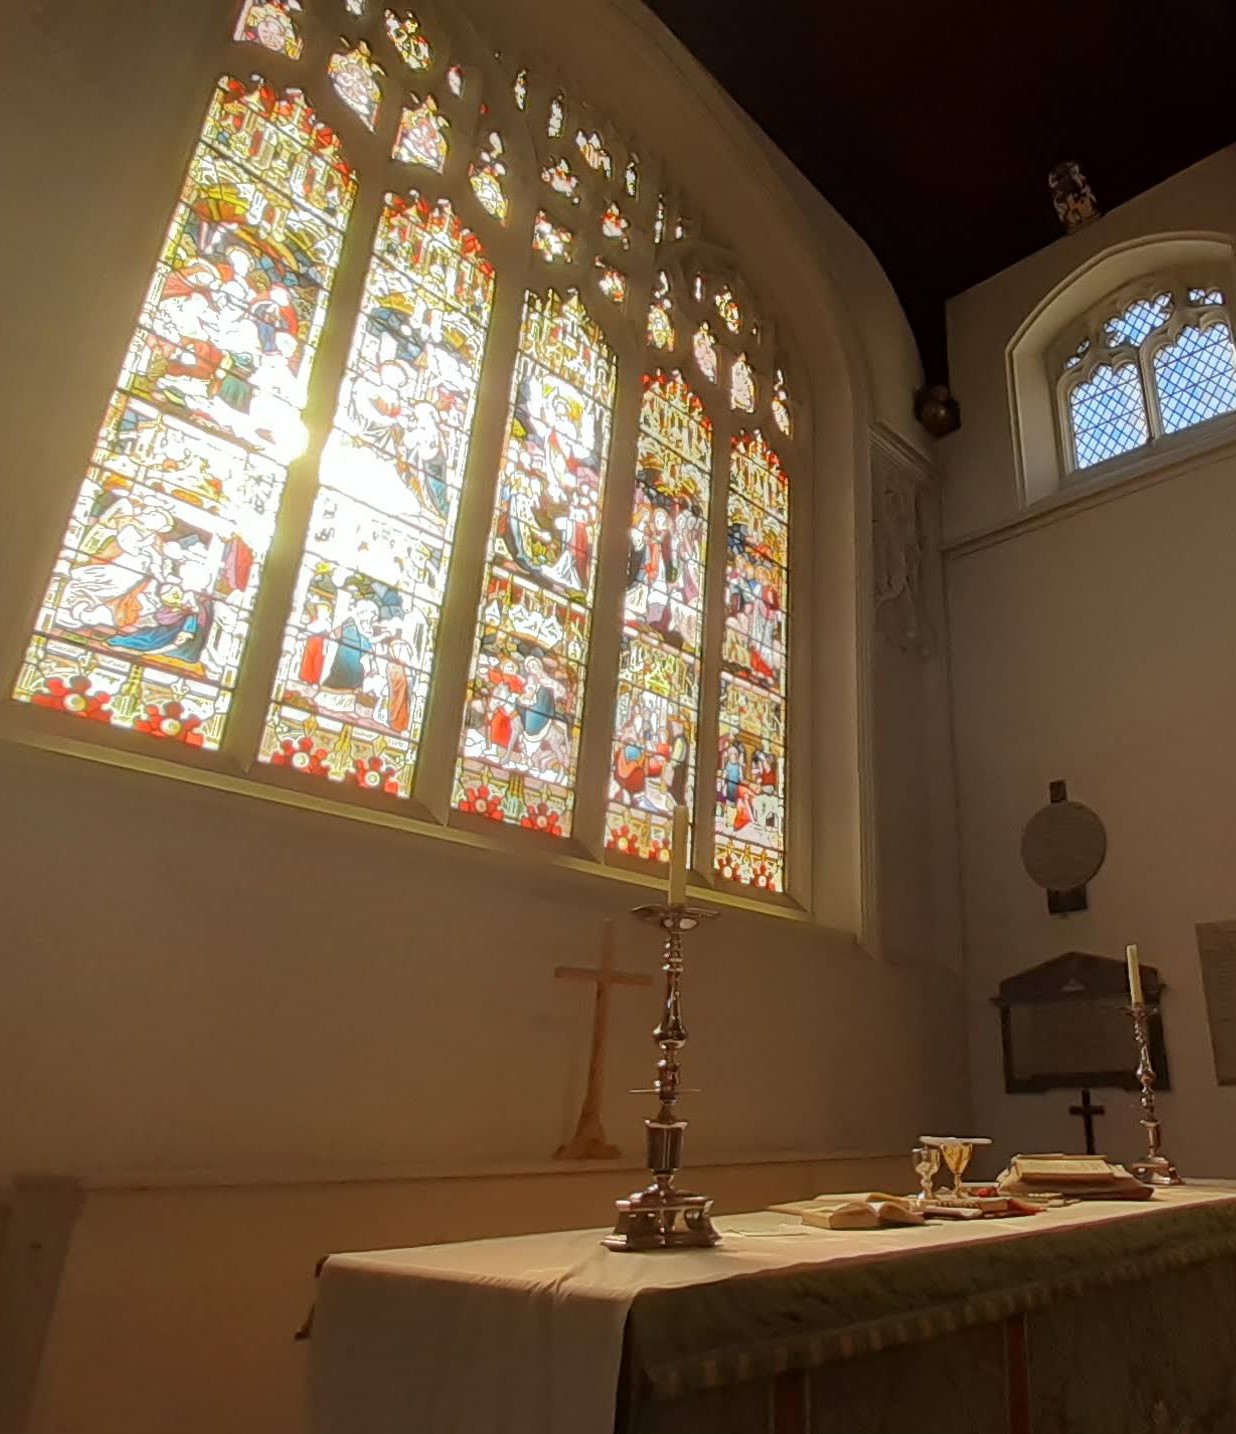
1135, 976
678, 858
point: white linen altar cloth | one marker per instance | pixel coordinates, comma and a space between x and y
523, 1335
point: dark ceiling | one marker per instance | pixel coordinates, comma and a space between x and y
932, 128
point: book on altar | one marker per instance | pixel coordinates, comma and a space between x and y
859, 1212
1081, 1177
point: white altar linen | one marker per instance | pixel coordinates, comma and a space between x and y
524, 1335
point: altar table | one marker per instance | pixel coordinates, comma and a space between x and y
1099, 1318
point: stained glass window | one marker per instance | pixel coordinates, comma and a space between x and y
150, 601
615, 225
750, 830
1206, 297
146, 619
592, 147
562, 180
551, 241
486, 176
731, 314
1108, 414
355, 76
652, 760
521, 729
359, 648
704, 347
414, 49
422, 135
271, 23
742, 385
781, 405
1195, 376
611, 282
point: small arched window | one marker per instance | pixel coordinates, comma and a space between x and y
1151, 360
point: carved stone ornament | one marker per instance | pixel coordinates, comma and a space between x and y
1071, 194
900, 614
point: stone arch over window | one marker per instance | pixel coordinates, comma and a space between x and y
1126, 362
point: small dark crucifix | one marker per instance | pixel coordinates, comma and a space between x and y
589, 1142
1087, 1111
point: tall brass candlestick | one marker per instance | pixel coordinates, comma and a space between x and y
660, 1217
1156, 1169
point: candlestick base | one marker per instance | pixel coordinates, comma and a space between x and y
662, 1218
1158, 1170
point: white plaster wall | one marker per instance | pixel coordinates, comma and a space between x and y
196, 982
982, 489
1094, 644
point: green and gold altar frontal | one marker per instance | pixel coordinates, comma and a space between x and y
1122, 1325
1102, 1317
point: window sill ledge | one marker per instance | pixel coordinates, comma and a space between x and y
24, 727
1120, 477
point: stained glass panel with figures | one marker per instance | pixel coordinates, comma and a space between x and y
405, 34
356, 76
422, 136
704, 348
781, 405
359, 649
486, 178
1108, 414
652, 759
552, 241
150, 601
1195, 376
521, 728
742, 385
750, 826
271, 23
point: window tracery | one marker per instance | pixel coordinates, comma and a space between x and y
1146, 363
148, 613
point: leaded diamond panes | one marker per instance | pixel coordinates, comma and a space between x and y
1195, 376
1138, 321
1108, 414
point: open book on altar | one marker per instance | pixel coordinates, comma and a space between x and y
859, 1212
875, 1210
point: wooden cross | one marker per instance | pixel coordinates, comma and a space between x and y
1088, 1113
589, 1142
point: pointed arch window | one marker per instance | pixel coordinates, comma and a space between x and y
148, 611
521, 733
607, 551
360, 643
657, 711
